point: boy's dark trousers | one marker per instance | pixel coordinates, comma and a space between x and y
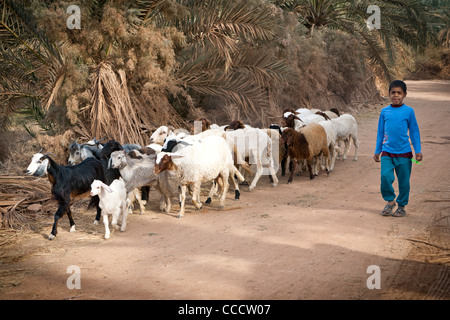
402, 168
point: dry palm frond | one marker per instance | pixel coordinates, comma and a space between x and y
113, 112
54, 77
17, 194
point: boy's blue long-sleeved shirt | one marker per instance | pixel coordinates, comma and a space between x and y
393, 127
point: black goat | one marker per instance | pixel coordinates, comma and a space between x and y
111, 173
67, 182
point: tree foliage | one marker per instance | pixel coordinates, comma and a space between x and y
136, 64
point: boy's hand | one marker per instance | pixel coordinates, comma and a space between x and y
419, 156
376, 157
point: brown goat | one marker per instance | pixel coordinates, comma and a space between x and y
206, 124
307, 144
289, 121
235, 124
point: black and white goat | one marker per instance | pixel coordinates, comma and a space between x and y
81, 151
67, 183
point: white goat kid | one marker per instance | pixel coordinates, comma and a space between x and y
113, 201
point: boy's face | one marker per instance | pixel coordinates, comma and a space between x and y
397, 95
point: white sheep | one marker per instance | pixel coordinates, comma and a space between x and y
256, 145
202, 161
331, 142
174, 142
346, 129
113, 201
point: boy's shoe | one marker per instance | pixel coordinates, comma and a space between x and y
400, 212
387, 211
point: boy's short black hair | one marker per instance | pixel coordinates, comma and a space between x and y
397, 83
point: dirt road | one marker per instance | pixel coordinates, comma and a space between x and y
306, 240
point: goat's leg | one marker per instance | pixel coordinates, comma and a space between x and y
225, 187
145, 190
339, 149
273, 174
130, 195
316, 165
310, 165
283, 163
214, 187
72, 223
332, 157
356, 143
124, 210
164, 189
237, 193
115, 218
138, 196
62, 209
346, 148
183, 190
106, 224
96, 201
196, 195
259, 171
294, 165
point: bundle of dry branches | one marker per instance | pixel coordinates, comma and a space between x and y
20, 198
114, 114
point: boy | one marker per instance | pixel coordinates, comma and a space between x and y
394, 149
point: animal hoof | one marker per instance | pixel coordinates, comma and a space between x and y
51, 236
274, 184
208, 201
107, 236
72, 228
95, 222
